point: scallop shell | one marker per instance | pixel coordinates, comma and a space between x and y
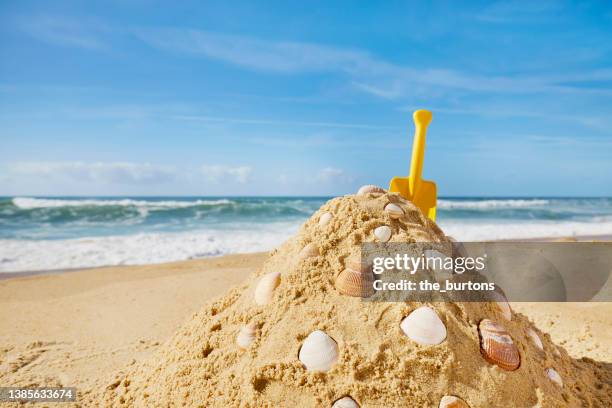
424, 326
554, 376
345, 402
370, 189
265, 288
355, 281
325, 218
246, 335
319, 352
383, 233
497, 346
309, 251
394, 211
535, 338
450, 401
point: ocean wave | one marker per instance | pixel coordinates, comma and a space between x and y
29, 203
447, 204
35, 255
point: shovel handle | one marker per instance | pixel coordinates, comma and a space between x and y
421, 118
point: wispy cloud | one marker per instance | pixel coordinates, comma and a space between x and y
65, 32
106, 172
220, 173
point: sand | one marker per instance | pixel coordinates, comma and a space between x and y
111, 332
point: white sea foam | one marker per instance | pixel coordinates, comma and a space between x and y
489, 204
28, 203
147, 248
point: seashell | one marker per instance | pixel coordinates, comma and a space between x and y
424, 326
370, 189
265, 288
319, 352
325, 218
309, 251
345, 402
383, 233
450, 401
535, 338
554, 376
497, 346
355, 281
246, 335
502, 303
394, 211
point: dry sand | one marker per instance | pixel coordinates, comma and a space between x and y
92, 328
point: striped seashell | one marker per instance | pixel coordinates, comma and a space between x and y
394, 211
319, 352
355, 281
450, 401
370, 189
382, 233
554, 376
497, 346
345, 402
325, 218
424, 326
535, 339
265, 288
246, 335
309, 251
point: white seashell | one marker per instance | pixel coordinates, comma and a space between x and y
309, 251
502, 303
345, 402
319, 352
394, 211
265, 288
535, 338
383, 233
554, 376
370, 189
450, 401
325, 218
424, 326
246, 335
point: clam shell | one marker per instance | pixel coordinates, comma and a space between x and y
265, 288
497, 346
325, 218
345, 402
370, 189
382, 233
355, 281
309, 251
319, 352
424, 326
246, 335
394, 211
450, 401
502, 303
554, 376
535, 338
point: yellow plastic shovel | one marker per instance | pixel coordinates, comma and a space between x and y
421, 192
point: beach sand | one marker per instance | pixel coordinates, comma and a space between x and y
81, 328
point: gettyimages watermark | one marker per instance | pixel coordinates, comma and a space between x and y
488, 271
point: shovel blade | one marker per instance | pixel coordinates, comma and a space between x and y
425, 197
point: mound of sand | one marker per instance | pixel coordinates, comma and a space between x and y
377, 366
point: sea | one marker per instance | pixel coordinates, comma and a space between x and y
61, 233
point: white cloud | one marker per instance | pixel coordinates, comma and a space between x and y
105, 172
333, 175
65, 32
220, 173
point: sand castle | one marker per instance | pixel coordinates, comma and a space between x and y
298, 334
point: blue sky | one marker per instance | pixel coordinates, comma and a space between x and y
218, 98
